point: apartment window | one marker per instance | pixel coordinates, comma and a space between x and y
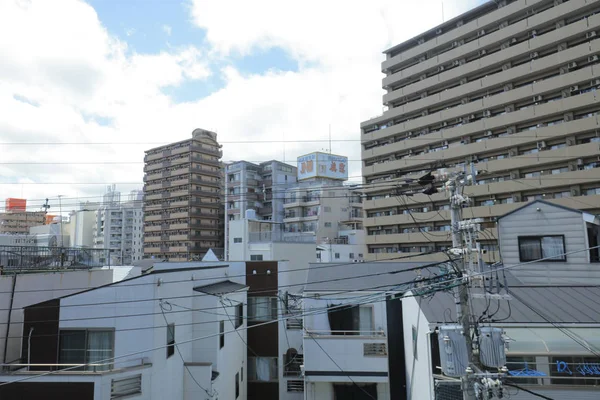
237, 385
533, 248
327, 209
221, 334
256, 257
239, 315
86, 347
237, 240
337, 256
351, 320
262, 369
327, 224
262, 308
170, 340
351, 255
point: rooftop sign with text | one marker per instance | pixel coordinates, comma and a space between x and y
322, 165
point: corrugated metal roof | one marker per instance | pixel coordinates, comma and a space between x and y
220, 288
360, 276
530, 304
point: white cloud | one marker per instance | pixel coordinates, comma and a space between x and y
55, 86
167, 29
130, 31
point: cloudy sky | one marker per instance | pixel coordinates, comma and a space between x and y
87, 86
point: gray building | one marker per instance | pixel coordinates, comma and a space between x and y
565, 241
510, 86
119, 227
258, 187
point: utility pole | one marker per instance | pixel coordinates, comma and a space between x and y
461, 292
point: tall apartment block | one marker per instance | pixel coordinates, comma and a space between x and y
118, 227
17, 220
258, 187
510, 86
183, 215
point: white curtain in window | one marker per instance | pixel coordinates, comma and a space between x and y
262, 369
99, 347
366, 320
530, 249
553, 246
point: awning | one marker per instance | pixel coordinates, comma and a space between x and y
551, 340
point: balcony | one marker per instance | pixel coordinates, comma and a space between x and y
353, 351
204, 149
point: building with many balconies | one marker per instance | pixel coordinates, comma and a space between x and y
183, 215
509, 86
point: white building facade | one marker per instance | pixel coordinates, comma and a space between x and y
119, 227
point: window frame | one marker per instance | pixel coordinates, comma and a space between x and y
273, 306
86, 351
239, 315
221, 334
170, 343
256, 257
539, 238
237, 385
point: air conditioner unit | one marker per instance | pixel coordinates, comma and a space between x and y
482, 52
513, 40
487, 113
537, 98
472, 116
590, 34
481, 32
444, 123
541, 145
533, 55
459, 119
488, 133
572, 65
410, 152
574, 88
455, 44
592, 58
440, 68
456, 63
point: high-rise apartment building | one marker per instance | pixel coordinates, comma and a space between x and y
119, 227
183, 215
510, 86
258, 187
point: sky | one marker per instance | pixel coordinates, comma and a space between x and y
87, 86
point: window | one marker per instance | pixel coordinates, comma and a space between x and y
327, 224
237, 385
221, 334
262, 308
239, 315
327, 209
256, 257
237, 240
352, 320
242, 374
533, 248
262, 369
351, 255
170, 340
86, 347
337, 256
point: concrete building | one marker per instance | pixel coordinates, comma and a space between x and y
510, 86
81, 227
19, 222
320, 205
119, 227
183, 214
161, 353
258, 187
18, 291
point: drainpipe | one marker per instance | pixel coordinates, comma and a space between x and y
12, 298
29, 349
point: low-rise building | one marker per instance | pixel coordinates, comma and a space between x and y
19, 222
137, 337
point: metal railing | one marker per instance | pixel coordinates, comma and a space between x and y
33, 258
344, 333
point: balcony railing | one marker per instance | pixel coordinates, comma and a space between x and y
279, 236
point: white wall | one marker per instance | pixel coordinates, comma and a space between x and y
317, 320
419, 381
324, 391
36, 288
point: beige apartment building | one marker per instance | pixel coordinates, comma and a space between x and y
19, 222
510, 86
183, 215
